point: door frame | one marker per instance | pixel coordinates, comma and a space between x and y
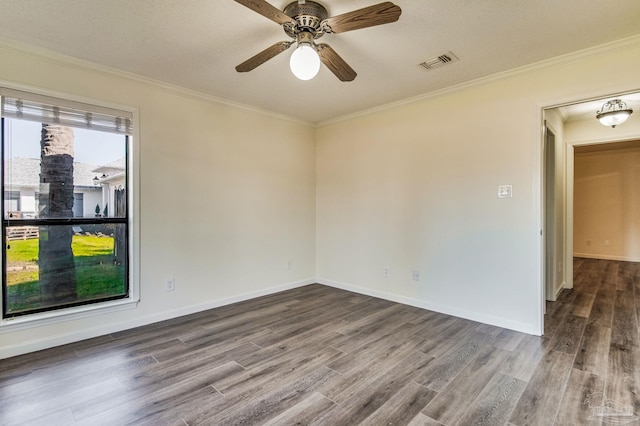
549, 230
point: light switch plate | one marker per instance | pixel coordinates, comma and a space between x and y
505, 191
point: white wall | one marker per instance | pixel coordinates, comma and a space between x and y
228, 195
89, 201
414, 188
226, 198
589, 131
28, 200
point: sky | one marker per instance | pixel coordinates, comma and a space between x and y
22, 139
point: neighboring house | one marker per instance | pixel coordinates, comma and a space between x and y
23, 183
110, 177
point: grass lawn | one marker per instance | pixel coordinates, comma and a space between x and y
96, 274
21, 252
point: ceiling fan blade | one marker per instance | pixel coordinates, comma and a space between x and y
335, 63
378, 14
263, 56
267, 10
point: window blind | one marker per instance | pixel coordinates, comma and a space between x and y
51, 110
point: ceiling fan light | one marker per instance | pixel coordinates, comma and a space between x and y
613, 113
304, 62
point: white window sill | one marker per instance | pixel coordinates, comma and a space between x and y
9, 325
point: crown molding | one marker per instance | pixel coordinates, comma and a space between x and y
544, 64
84, 64
536, 66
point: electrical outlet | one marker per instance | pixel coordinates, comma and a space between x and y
415, 275
387, 271
606, 242
170, 284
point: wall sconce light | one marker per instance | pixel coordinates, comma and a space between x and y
613, 113
98, 180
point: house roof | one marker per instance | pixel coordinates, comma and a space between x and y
197, 44
25, 172
113, 167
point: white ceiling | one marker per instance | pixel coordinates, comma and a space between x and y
196, 44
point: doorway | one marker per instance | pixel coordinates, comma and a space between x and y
573, 126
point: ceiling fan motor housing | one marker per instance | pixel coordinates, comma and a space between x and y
308, 16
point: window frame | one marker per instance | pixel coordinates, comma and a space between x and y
85, 309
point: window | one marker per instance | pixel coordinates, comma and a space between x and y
66, 217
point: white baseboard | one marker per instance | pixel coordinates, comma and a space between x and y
63, 339
606, 257
8, 351
449, 310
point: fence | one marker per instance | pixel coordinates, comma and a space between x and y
22, 232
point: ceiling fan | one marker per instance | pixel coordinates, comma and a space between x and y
305, 21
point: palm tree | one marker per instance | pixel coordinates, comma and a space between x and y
56, 264
120, 237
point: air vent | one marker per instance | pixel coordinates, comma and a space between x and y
438, 61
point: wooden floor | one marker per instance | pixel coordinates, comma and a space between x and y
318, 355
